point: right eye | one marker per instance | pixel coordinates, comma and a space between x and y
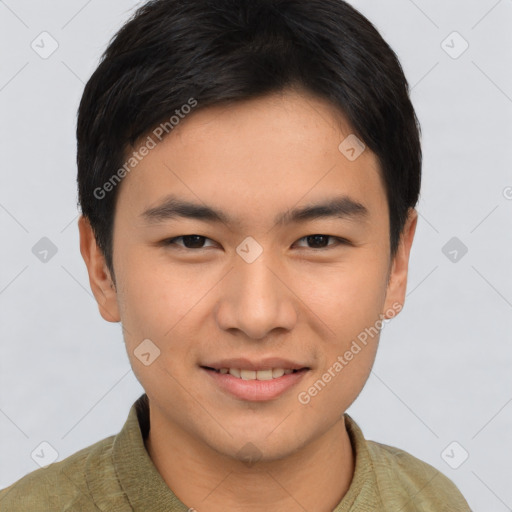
192, 242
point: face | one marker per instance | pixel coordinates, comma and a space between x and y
257, 289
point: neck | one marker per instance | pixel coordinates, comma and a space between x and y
316, 477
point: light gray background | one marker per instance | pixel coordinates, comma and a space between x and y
443, 370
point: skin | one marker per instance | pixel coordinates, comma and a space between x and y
253, 160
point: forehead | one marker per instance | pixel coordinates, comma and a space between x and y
256, 156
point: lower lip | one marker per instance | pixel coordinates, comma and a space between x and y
255, 390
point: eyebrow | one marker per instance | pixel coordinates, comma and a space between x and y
341, 207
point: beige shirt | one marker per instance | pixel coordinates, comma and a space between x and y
116, 474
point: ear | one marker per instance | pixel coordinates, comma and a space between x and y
102, 285
397, 283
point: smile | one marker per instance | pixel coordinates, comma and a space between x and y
254, 385
268, 374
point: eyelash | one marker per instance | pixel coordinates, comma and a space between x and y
339, 241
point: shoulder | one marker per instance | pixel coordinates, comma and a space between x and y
407, 481
62, 485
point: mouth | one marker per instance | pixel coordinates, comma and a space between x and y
264, 374
251, 381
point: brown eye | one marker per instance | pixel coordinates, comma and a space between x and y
321, 241
189, 241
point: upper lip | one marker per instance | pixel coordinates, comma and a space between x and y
260, 364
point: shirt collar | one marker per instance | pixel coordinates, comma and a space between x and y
362, 495
144, 487
147, 491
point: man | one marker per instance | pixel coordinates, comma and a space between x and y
247, 172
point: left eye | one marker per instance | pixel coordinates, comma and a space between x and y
318, 241
197, 241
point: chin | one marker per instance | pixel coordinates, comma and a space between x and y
260, 445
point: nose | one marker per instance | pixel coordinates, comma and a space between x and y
257, 300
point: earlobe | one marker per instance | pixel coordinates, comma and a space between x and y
100, 280
397, 282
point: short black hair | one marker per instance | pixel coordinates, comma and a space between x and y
173, 53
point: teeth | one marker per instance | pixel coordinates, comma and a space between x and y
269, 374
264, 374
235, 372
248, 374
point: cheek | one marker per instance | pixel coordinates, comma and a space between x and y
347, 350
152, 298
154, 306
347, 297
161, 303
